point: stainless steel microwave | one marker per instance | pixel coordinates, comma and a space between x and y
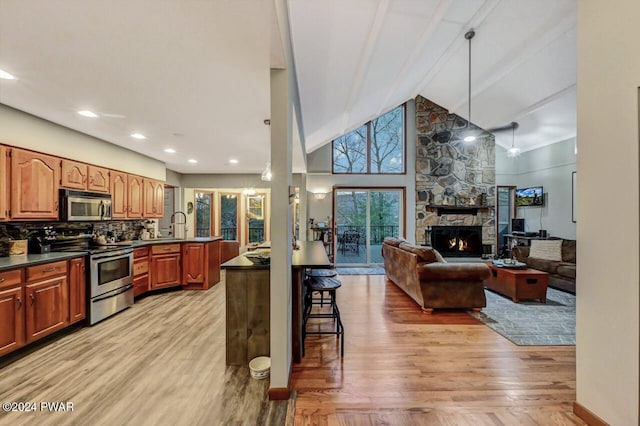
84, 206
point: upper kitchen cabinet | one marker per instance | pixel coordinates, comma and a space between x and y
35, 180
98, 180
118, 191
74, 175
4, 182
134, 196
153, 198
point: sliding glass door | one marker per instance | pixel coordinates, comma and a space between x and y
363, 217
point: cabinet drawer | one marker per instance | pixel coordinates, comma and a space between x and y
140, 285
10, 278
46, 270
165, 248
140, 267
141, 252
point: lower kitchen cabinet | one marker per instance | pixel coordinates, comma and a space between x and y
140, 271
47, 307
77, 290
165, 266
11, 319
200, 265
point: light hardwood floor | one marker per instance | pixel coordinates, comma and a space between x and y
161, 362
404, 367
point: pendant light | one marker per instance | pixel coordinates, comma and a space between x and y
469, 135
513, 151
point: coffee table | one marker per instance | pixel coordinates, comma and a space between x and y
518, 284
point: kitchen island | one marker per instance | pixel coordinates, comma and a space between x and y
248, 303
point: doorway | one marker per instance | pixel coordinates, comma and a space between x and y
363, 218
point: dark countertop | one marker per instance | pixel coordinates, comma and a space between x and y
13, 262
311, 254
142, 243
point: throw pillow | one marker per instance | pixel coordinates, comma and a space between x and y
546, 249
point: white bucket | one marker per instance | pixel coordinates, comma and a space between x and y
260, 367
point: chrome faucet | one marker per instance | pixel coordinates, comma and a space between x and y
174, 223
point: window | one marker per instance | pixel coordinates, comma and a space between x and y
377, 147
203, 215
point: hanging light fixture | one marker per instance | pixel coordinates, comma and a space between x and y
469, 136
513, 151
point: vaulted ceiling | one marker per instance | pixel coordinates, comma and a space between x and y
194, 75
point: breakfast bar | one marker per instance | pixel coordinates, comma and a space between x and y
248, 303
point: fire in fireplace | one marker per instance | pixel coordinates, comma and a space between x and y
456, 241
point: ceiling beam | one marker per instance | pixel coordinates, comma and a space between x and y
478, 18
432, 25
365, 59
538, 41
519, 115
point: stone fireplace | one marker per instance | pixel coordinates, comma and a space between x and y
455, 180
456, 241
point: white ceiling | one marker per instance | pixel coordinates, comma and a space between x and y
360, 58
194, 74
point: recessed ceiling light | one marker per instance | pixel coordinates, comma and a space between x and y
86, 113
170, 150
138, 136
191, 160
233, 161
6, 76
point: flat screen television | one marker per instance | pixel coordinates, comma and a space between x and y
533, 196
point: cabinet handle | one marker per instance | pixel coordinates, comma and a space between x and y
56, 206
49, 270
1, 280
19, 302
33, 299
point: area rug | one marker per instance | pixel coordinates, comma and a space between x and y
374, 270
531, 323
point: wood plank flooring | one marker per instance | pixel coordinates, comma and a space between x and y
161, 362
405, 367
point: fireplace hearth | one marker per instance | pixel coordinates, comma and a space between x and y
456, 241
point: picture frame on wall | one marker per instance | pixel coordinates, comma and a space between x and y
574, 205
255, 207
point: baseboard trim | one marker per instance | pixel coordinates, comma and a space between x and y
587, 415
280, 394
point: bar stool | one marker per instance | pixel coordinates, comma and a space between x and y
316, 273
329, 285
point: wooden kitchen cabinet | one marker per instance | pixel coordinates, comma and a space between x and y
118, 189
153, 198
77, 290
134, 197
11, 311
4, 182
140, 271
98, 179
74, 175
47, 307
165, 265
35, 179
200, 265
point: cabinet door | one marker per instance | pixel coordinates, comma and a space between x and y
4, 182
134, 196
74, 175
165, 270
140, 285
77, 290
148, 197
35, 181
118, 195
158, 199
193, 257
11, 319
47, 307
98, 179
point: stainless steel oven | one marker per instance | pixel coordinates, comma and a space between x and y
84, 206
111, 283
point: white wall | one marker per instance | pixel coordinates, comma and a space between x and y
319, 178
608, 213
27, 131
551, 167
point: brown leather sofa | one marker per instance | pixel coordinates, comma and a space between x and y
431, 281
562, 275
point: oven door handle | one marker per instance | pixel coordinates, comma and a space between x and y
113, 255
110, 295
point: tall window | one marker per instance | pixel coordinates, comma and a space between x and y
203, 215
376, 147
229, 216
